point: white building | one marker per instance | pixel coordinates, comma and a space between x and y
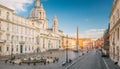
28, 35
115, 32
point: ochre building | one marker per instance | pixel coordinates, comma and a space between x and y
72, 42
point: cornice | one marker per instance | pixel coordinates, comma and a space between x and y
17, 23
113, 7
6, 8
116, 24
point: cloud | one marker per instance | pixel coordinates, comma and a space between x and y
17, 5
92, 33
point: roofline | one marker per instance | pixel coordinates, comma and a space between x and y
6, 8
113, 7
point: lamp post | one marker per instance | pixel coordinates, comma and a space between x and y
11, 49
77, 42
67, 50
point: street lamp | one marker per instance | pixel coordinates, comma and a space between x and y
11, 47
67, 49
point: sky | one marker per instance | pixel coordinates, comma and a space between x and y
91, 16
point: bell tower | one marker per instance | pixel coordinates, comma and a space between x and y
55, 23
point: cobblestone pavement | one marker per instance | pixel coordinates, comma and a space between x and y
93, 60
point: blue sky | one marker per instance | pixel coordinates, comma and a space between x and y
89, 15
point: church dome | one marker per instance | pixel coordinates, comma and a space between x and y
37, 12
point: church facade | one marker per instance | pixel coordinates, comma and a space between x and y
19, 35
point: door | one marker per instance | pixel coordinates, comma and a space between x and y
21, 49
117, 53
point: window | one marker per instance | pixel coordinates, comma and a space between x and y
7, 27
7, 17
12, 28
21, 30
37, 39
118, 13
113, 19
32, 48
7, 49
12, 49
29, 39
0, 48
12, 38
59, 44
40, 15
43, 26
43, 43
0, 12
25, 38
17, 29
17, 38
0, 36
29, 48
0, 25
21, 38
32, 39
17, 48
8, 37
25, 48
118, 33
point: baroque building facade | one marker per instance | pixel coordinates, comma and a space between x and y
19, 35
115, 32
84, 43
